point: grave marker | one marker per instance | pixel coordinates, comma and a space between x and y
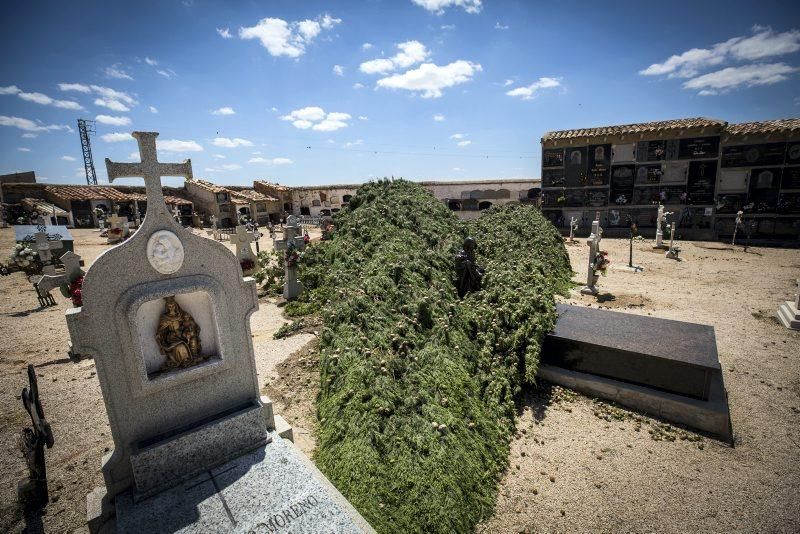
44, 246
789, 312
196, 447
660, 219
672, 251
242, 239
72, 269
594, 253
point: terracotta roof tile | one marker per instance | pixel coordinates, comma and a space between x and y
100, 192
208, 186
644, 127
764, 127
42, 206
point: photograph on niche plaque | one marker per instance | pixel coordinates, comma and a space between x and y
698, 147
701, 182
599, 164
649, 174
764, 185
177, 333
575, 168
750, 155
646, 195
553, 157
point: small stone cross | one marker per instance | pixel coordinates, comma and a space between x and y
150, 169
242, 239
72, 269
43, 247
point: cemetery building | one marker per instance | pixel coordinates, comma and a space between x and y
281, 192
702, 170
75, 204
228, 203
466, 197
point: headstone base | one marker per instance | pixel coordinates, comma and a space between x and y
589, 290
789, 315
274, 488
672, 253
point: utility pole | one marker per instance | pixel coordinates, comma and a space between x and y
85, 128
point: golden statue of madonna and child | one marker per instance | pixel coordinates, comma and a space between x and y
178, 337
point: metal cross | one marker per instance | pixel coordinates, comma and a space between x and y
149, 168
43, 247
33, 442
72, 269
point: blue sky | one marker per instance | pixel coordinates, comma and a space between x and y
322, 92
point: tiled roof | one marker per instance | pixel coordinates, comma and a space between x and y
276, 187
764, 127
42, 207
251, 195
101, 192
208, 186
644, 127
87, 192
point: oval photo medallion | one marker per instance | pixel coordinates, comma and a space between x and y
165, 252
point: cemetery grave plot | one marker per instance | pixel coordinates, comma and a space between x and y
637, 483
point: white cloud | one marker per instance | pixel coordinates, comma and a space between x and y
763, 42
430, 79
464, 143
273, 161
151, 62
457, 136
109, 98
231, 143
224, 168
166, 73
29, 136
316, 118
256, 152
113, 105
358, 85
40, 98
447, 27
282, 38
529, 92
363, 118
116, 137
113, 121
357, 142
219, 156
31, 126
118, 72
498, 26
366, 46
225, 33
410, 53
274, 109
67, 158
438, 6
507, 83
456, 169
227, 110
153, 109
338, 70
176, 145
746, 75
79, 87
23, 149
438, 117
134, 156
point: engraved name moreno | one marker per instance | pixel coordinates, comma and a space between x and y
285, 518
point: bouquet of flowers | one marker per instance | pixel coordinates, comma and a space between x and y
601, 262
24, 257
292, 257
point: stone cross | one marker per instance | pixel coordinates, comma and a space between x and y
573, 225
673, 251
661, 219
291, 286
242, 239
44, 248
176, 213
150, 169
116, 222
736, 226
594, 248
72, 269
214, 229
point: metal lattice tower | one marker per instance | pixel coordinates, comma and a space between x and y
85, 128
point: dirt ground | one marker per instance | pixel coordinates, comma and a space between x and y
576, 464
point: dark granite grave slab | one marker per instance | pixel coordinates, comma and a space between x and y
671, 356
664, 368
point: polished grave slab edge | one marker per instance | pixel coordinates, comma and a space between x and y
275, 488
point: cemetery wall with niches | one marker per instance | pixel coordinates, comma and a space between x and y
703, 176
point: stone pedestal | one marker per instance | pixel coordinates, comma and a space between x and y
292, 286
789, 315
